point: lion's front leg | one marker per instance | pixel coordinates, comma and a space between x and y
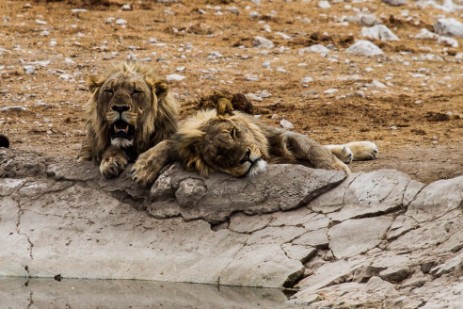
86, 151
305, 149
148, 165
113, 162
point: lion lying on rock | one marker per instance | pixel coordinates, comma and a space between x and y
238, 144
130, 111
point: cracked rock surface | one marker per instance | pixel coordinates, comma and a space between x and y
371, 239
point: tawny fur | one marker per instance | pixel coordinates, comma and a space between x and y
216, 140
154, 119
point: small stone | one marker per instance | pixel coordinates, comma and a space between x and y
449, 26
127, 7
379, 32
175, 77
306, 80
286, 124
121, 22
364, 48
324, 4
29, 69
262, 42
318, 48
251, 77
69, 61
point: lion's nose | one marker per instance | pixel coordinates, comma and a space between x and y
120, 108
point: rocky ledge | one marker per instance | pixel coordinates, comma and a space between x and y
372, 239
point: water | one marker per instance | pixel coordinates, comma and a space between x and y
74, 293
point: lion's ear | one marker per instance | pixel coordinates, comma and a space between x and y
94, 82
159, 87
224, 107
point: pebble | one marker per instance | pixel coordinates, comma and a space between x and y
266, 64
127, 7
324, 4
449, 26
317, 48
121, 22
251, 77
175, 77
286, 124
69, 61
306, 80
13, 109
330, 91
29, 69
284, 36
262, 42
214, 55
364, 48
379, 32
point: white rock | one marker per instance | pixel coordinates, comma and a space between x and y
449, 26
13, 109
425, 34
445, 40
283, 35
364, 48
251, 77
367, 19
127, 7
78, 11
121, 22
376, 84
214, 55
281, 70
266, 64
262, 42
53, 43
318, 48
40, 22
286, 124
29, 69
175, 77
324, 4
306, 80
330, 91
69, 61
379, 32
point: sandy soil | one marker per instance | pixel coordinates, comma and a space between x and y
414, 113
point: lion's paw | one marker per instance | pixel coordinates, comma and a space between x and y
144, 173
113, 166
343, 152
363, 150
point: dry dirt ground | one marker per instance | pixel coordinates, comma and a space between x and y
408, 101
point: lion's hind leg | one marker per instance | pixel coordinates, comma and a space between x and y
148, 165
305, 149
363, 150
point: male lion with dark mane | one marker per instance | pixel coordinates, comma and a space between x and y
238, 144
130, 111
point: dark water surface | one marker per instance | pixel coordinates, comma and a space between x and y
75, 293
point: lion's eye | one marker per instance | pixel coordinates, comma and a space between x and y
108, 92
136, 92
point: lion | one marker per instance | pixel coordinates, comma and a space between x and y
239, 144
129, 112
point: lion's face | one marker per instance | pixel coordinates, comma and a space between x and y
230, 146
121, 103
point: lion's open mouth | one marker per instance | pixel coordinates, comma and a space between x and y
122, 130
